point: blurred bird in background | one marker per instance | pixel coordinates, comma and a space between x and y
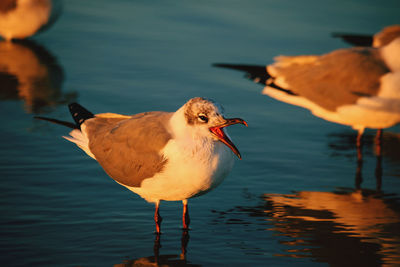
21, 19
357, 86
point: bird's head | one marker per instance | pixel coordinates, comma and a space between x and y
206, 118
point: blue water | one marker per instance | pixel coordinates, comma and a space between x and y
298, 196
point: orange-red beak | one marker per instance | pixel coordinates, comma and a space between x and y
221, 135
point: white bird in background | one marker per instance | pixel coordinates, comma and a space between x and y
20, 19
358, 87
159, 155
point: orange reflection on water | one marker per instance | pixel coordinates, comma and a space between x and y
162, 260
29, 72
333, 221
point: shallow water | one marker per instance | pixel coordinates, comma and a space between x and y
298, 197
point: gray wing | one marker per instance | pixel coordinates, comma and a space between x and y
128, 148
334, 79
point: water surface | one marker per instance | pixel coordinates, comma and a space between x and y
298, 197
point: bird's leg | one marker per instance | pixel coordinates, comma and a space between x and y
185, 216
184, 243
378, 172
378, 169
359, 159
359, 145
378, 142
157, 218
359, 178
156, 247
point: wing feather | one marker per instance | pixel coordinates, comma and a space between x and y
332, 80
128, 148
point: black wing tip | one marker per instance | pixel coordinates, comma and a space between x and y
257, 73
72, 104
223, 65
355, 39
287, 91
243, 67
79, 113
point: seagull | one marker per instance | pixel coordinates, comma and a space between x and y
20, 19
382, 38
171, 156
358, 86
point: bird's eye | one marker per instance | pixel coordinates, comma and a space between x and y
203, 118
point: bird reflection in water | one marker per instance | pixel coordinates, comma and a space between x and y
341, 143
29, 72
347, 227
359, 225
358, 86
162, 260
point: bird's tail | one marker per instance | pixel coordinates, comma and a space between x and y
257, 73
80, 115
64, 123
355, 39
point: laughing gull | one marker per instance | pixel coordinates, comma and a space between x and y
170, 156
358, 86
382, 38
20, 19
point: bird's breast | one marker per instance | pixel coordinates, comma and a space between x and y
192, 169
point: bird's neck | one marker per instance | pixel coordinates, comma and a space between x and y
177, 123
391, 54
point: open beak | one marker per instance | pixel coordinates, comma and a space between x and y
221, 135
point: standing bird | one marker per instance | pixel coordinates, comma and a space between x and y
159, 155
20, 19
358, 87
